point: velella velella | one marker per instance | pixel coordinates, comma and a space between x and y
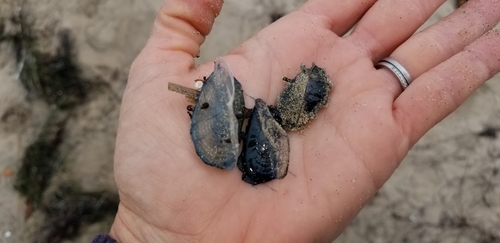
266, 149
215, 126
219, 111
303, 96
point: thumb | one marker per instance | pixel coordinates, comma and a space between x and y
178, 31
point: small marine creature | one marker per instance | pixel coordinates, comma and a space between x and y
302, 97
215, 127
266, 149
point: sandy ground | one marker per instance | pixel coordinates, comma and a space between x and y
446, 190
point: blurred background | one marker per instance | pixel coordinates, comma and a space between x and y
63, 70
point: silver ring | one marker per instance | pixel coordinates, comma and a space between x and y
398, 70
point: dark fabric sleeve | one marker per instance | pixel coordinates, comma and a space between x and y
104, 238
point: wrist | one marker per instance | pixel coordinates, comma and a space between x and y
129, 227
122, 230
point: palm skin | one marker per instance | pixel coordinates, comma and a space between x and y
337, 163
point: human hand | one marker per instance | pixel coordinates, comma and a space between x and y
339, 161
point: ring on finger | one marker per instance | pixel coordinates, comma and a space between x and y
397, 69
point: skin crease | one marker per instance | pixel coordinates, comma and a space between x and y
338, 162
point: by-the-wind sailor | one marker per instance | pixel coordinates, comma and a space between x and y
216, 118
303, 96
266, 149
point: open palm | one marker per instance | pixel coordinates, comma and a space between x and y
337, 163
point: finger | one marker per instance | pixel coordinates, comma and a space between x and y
447, 37
339, 15
438, 92
182, 25
179, 30
389, 23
